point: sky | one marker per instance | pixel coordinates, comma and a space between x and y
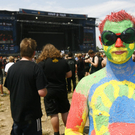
93, 8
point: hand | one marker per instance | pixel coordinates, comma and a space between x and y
90, 61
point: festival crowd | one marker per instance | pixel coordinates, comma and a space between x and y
55, 67
62, 73
51, 75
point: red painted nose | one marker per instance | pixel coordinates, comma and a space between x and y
119, 43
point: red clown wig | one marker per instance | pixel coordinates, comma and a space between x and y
116, 17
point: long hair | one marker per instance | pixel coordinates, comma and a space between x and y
49, 51
117, 17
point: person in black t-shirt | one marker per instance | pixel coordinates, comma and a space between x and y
72, 64
99, 60
87, 65
56, 69
4, 62
80, 67
95, 62
26, 83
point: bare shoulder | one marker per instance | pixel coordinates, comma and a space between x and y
85, 84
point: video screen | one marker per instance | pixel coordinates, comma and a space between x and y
6, 37
88, 38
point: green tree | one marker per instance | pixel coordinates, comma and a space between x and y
97, 48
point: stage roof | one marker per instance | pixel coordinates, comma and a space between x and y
34, 16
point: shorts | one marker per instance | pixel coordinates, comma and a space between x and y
32, 127
1, 79
56, 101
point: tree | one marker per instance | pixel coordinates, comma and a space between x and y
97, 48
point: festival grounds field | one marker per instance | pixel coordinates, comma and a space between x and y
6, 119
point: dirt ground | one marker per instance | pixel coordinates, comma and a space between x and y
6, 119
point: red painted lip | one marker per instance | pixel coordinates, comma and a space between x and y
119, 52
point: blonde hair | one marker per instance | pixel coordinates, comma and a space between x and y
49, 51
79, 55
11, 58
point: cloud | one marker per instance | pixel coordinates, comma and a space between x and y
112, 6
9, 7
99, 10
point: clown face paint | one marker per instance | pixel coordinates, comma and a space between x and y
122, 54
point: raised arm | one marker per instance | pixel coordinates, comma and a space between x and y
95, 64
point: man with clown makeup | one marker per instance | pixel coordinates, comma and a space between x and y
107, 97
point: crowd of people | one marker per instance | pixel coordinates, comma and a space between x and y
60, 75
81, 64
56, 67
52, 75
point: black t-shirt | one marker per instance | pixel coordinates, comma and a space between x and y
0, 67
0, 64
4, 62
94, 69
71, 63
80, 66
99, 62
55, 71
24, 79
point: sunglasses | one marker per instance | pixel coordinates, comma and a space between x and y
109, 38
